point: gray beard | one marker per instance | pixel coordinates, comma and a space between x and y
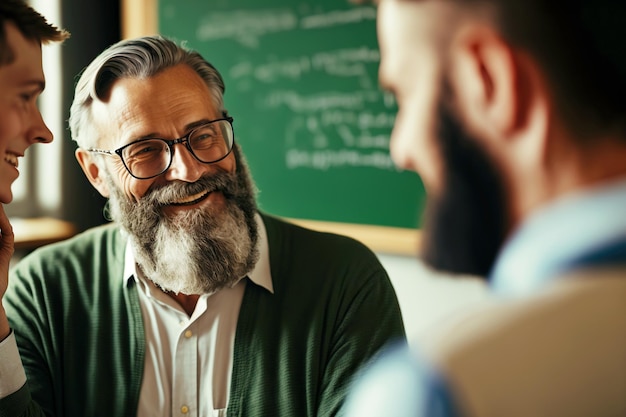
199, 251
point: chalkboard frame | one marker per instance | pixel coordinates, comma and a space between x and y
140, 17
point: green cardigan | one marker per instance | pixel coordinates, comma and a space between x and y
81, 336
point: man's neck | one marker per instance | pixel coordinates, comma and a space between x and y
187, 302
570, 170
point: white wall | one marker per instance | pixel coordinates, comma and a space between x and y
426, 296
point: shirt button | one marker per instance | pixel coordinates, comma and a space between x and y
184, 409
188, 334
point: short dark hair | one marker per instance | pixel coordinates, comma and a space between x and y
580, 46
29, 22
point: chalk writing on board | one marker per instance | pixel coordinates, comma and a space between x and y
333, 129
338, 17
298, 102
329, 158
352, 133
346, 62
248, 26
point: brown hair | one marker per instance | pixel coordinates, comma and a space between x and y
29, 22
579, 45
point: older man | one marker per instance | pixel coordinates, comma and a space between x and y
192, 302
513, 113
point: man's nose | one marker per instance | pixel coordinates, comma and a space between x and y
400, 150
38, 131
184, 166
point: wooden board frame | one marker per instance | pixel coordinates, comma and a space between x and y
140, 17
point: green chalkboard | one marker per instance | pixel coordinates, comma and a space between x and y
301, 84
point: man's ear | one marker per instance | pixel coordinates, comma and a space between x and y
490, 86
92, 171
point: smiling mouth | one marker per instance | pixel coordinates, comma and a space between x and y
192, 199
11, 158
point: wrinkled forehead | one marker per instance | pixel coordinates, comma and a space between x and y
163, 105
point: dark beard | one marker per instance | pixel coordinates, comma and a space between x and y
199, 251
465, 226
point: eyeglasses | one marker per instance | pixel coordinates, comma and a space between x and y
150, 157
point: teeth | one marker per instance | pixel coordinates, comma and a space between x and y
190, 198
11, 159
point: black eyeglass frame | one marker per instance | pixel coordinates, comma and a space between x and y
170, 143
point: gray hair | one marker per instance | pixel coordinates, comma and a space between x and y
133, 58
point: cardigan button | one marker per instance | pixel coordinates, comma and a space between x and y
184, 409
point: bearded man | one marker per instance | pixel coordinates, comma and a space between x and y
191, 302
512, 112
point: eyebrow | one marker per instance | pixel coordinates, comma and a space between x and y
188, 127
41, 85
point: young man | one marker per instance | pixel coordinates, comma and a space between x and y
192, 302
513, 113
22, 33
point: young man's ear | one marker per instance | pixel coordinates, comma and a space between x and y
490, 91
92, 171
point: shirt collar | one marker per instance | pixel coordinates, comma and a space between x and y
555, 236
261, 274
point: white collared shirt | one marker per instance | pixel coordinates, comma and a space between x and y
12, 375
188, 361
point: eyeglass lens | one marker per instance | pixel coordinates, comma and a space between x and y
209, 143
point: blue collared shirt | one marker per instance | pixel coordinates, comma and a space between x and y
556, 239
556, 236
